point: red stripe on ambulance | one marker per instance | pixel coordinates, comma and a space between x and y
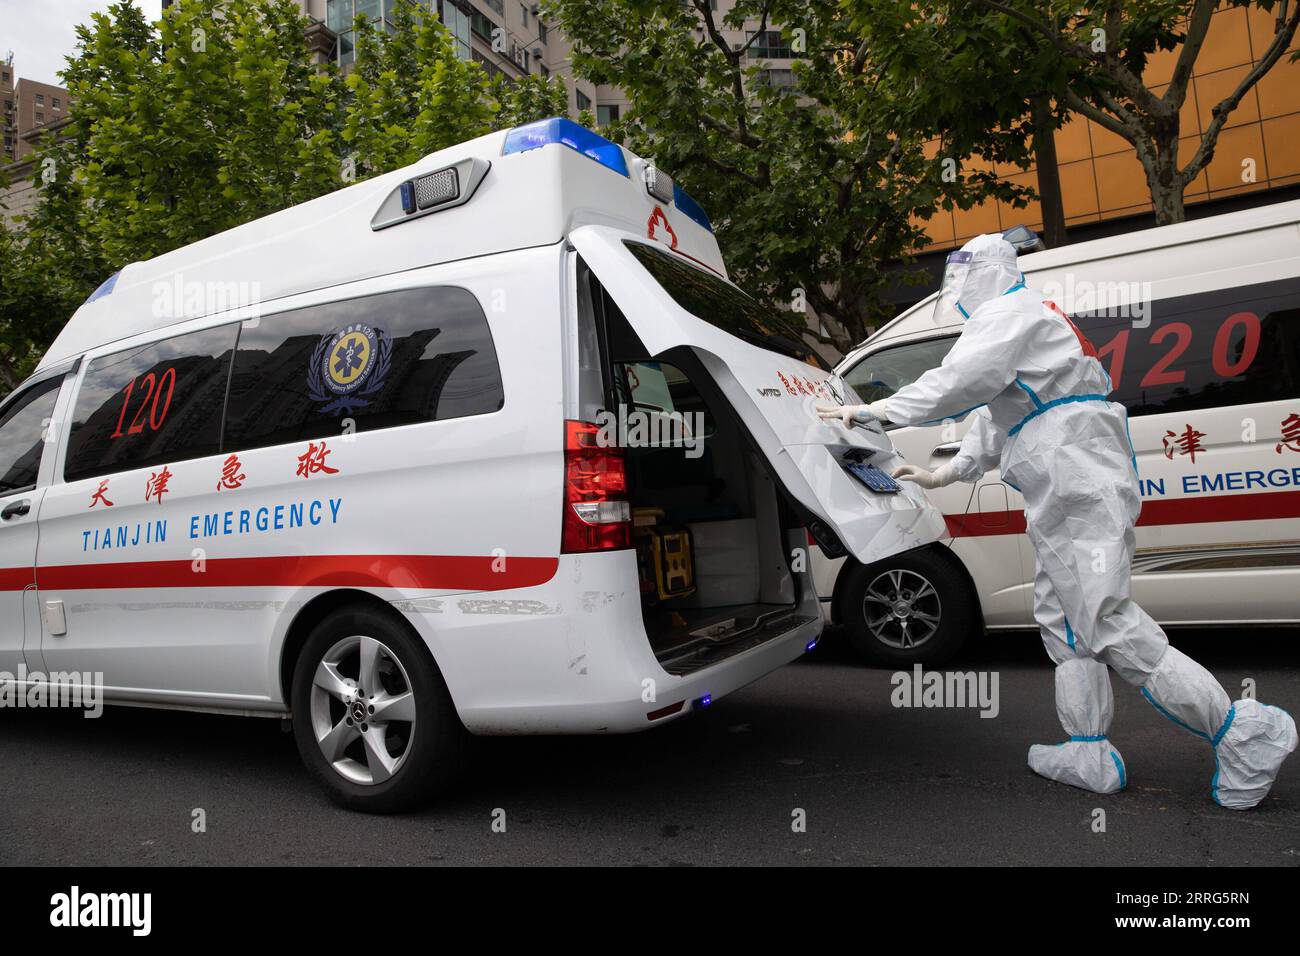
432, 572
1266, 506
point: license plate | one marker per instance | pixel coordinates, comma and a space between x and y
873, 477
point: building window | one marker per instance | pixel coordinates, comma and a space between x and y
582, 100
770, 46
777, 79
606, 114
545, 72
40, 118
497, 5
541, 31
40, 99
456, 21
340, 15
523, 14
489, 65
56, 104
482, 25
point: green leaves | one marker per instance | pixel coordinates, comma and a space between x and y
216, 115
822, 188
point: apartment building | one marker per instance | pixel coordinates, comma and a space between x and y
507, 37
8, 122
29, 109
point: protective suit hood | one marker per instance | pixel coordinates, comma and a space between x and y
981, 271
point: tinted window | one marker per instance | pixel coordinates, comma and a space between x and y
384, 360
721, 304
1227, 347
659, 389
157, 403
22, 430
882, 373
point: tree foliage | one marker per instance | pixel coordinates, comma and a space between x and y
216, 115
817, 192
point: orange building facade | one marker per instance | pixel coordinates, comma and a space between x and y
1101, 178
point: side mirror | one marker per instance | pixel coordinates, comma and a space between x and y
1024, 239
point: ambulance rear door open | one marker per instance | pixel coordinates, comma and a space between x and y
774, 394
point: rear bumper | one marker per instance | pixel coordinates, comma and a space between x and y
572, 657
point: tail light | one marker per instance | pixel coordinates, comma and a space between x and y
597, 514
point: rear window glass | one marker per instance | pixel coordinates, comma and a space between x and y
396, 358
710, 299
145, 406
1226, 347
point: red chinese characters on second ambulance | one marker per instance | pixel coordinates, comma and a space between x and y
1187, 442
1290, 438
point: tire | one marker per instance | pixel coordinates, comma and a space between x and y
339, 731
934, 610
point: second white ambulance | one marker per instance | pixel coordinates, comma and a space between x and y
1198, 325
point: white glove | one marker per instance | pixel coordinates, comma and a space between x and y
941, 476
848, 414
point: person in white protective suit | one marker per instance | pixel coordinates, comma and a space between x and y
1043, 418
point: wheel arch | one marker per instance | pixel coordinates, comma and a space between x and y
935, 549
311, 614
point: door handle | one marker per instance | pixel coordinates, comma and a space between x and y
947, 449
16, 509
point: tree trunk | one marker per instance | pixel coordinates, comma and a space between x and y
1168, 200
1049, 173
1162, 176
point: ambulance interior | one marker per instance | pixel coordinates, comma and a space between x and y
712, 533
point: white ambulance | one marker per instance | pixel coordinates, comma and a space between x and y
418, 483
1198, 325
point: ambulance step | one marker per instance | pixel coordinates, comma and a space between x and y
706, 652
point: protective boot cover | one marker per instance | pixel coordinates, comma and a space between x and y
1085, 704
1249, 752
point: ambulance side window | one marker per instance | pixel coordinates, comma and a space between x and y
1209, 350
23, 425
396, 358
152, 404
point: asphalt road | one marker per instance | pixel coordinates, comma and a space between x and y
878, 785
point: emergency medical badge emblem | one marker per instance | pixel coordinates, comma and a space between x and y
348, 367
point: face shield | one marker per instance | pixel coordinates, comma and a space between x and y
974, 276
955, 273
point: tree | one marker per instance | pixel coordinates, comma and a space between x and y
1105, 49
216, 115
940, 66
216, 119
815, 193
411, 95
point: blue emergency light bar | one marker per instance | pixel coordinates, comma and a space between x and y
105, 287
557, 129
566, 132
690, 208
